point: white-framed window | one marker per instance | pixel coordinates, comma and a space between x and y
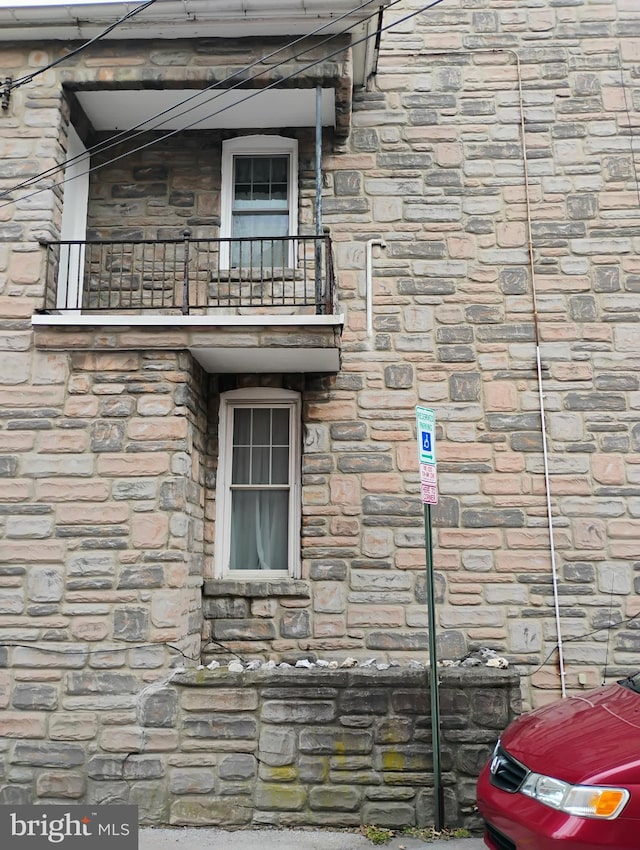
258, 484
258, 201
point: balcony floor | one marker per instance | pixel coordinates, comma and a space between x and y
221, 344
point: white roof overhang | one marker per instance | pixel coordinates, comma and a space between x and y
114, 110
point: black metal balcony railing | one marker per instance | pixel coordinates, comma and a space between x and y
192, 276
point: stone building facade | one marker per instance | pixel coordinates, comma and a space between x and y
480, 217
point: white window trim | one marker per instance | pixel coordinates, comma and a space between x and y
255, 397
74, 223
255, 146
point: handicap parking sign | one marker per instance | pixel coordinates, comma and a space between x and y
426, 422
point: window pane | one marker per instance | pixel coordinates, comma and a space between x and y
260, 463
260, 181
280, 466
279, 169
241, 467
248, 226
242, 427
259, 530
261, 426
263, 252
243, 169
259, 204
243, 195
279, 190
280, 426
262, 169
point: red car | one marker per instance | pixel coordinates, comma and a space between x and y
567, 776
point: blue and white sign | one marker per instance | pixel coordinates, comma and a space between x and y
426, 422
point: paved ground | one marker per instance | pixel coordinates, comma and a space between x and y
205, 838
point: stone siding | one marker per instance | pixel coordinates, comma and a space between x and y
108, 438
336, 748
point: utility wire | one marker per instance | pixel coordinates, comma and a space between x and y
630, 125
609, 628
21, 81
252, 94
142, 127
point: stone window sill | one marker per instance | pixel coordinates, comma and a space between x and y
257, 588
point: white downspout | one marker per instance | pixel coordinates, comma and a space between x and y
543, 425
369, 282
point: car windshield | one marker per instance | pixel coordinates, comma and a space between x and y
632, 682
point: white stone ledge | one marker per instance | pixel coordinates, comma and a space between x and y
262, 320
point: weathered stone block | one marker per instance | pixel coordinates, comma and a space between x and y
465, 386
276, 746
399, 376
392, 815
332, 741
370, 701
35, 696
105, 767
337, 799
143, 767
48, 754
238, 766
224, 812
219, 726
107, 436
253, 630
63, 785
159, 708
280, 797
130, 624
295, 624
299, 712
101, 683
328, 570
194, 780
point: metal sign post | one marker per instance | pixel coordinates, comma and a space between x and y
426, 428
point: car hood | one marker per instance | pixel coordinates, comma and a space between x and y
591, 738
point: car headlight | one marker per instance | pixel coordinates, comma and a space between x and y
585, 801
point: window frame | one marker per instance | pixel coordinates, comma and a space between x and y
256, 145
267, 397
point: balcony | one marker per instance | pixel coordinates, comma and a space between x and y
260, 304
277, 275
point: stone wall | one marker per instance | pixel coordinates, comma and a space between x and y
282, 747
96, 439
103, 511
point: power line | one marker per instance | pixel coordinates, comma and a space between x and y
252, 94
141, 128
21, 81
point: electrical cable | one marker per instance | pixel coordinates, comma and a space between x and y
129, 134
627, 110
608, 628
73, 650
21, 81
251, 95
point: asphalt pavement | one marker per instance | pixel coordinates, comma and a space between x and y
206, 838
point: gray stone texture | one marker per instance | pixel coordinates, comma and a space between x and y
108, 433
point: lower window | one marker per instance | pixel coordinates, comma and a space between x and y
258, 488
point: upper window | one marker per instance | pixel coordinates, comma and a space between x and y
258, 488
259, 201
